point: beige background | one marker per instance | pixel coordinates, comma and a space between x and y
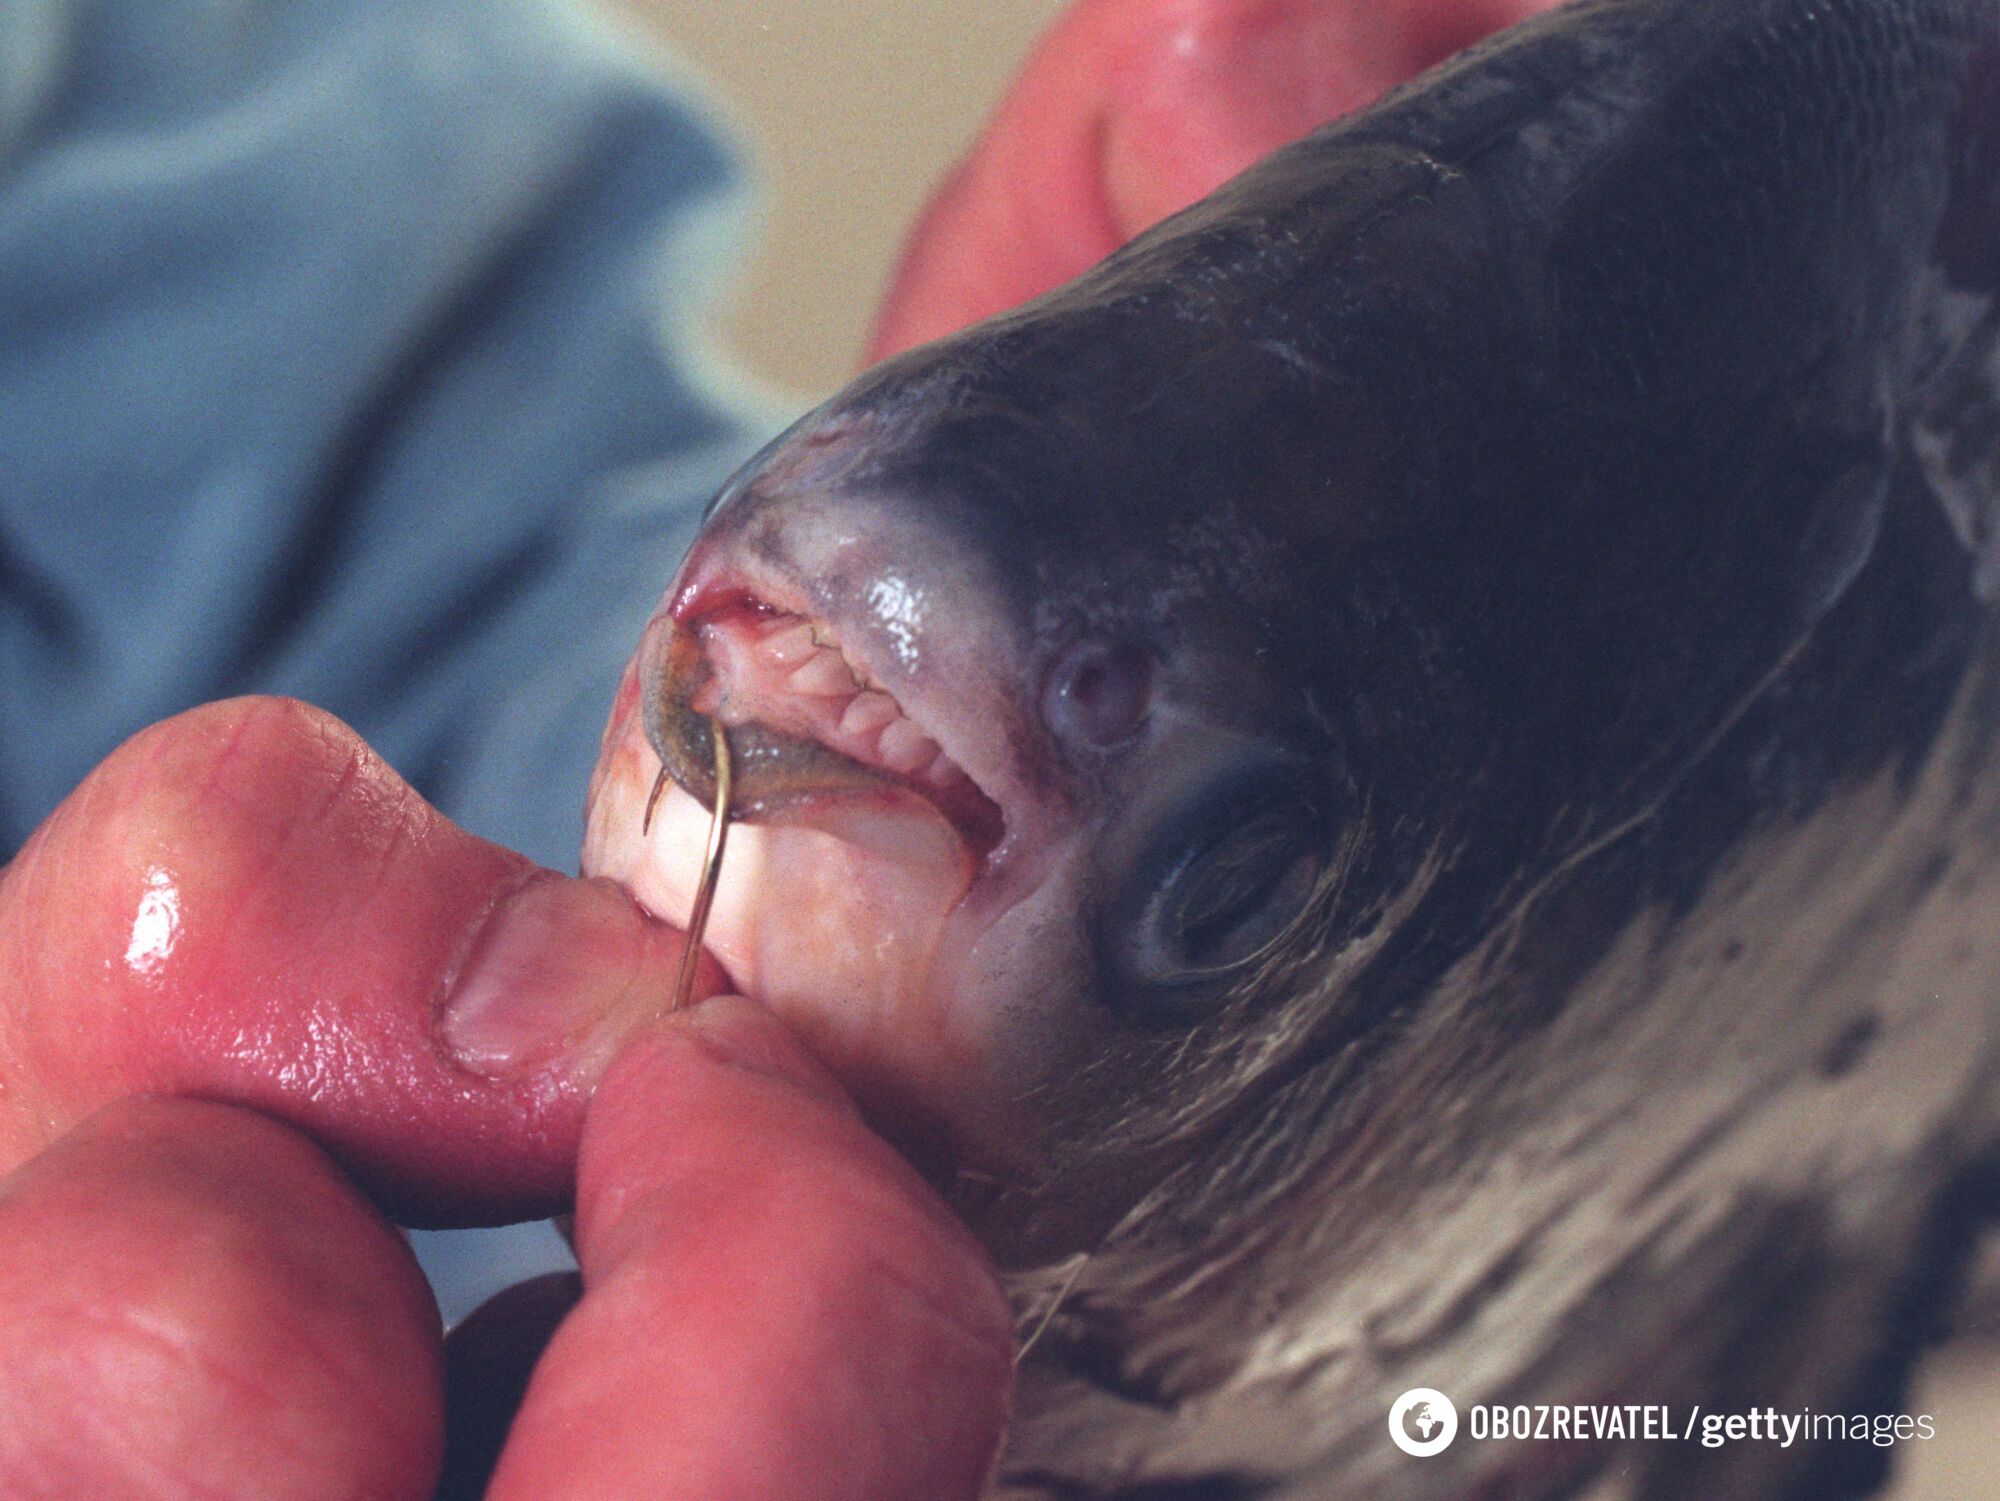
855, 108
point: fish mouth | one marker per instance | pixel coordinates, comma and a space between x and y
815, 737
873, 845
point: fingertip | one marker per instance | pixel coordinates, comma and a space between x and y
735, 1031
775, 1302
225, 1312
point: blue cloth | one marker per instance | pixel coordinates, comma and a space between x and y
344, 353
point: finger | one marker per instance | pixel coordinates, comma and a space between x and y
775, 1306
1132, 109
245, 903
198, 1304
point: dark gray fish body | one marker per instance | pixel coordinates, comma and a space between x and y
1477, 636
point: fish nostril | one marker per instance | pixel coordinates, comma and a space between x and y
1098, 692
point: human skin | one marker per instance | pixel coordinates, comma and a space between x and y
257, 999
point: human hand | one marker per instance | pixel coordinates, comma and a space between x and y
1132, 109
234, 1032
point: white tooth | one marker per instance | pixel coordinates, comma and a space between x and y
790, 646
868, 713
905, 748
823, 676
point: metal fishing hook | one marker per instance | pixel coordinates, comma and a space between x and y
711, 861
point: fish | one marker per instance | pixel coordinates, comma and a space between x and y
1399, 787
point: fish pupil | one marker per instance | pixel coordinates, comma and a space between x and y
1239, 897
1227, 882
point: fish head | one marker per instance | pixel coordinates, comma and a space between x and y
1088, 734
1327, 775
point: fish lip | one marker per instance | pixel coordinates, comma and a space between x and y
715, 577
718, 577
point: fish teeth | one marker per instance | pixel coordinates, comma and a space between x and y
906, 749
869, 723
869, 712
791, 645
944, 772
824, 675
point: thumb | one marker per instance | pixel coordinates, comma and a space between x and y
1130, 110
247, 905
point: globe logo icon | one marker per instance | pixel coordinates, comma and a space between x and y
1423, 1422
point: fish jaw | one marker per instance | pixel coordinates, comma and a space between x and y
882, 827
837, 936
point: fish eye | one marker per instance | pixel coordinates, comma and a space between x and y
1227, 879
